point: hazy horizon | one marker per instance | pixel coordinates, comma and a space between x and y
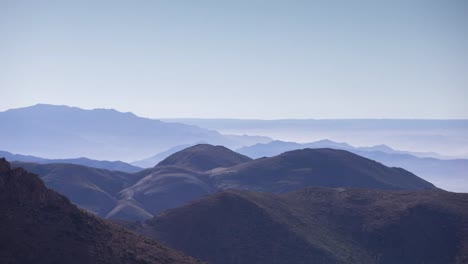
170, 119
181, 118
86, 131
434, 149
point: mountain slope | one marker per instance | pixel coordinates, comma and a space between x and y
92, 189
104, 134
448, 174
319, 225
40, 226
165, 187
176, 180
99, 164
315, 167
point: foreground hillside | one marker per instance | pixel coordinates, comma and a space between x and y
37, 225
90, 188
319, 225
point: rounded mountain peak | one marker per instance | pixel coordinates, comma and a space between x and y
203, 157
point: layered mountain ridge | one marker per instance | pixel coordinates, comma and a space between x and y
99, 164
103, 134
205, 169
303, 206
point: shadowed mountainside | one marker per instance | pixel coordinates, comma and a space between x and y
38, 225
319, 225
90, 188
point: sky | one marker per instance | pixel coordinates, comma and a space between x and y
238, 59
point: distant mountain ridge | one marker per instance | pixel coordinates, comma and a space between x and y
99, 164
155, 159
277, 147
104, 134
448, 137
38, 225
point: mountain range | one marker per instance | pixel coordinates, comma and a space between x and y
445, 137
47, 131
52, 131
448, 174
319, 205
277, 147
38, 225
445, 172
99, 164
205, 169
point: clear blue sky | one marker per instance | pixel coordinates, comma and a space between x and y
239, 59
